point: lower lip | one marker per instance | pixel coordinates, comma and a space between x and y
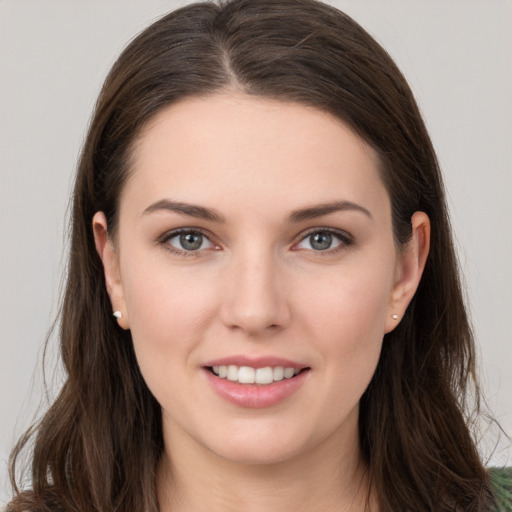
256, 396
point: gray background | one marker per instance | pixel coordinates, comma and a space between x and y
54, 55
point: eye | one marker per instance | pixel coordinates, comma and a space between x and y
323, 240
188, 241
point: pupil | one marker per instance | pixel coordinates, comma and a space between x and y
191, 241
321, 241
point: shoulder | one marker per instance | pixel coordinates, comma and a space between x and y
501, 480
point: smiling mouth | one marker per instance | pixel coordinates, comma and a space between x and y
248, 375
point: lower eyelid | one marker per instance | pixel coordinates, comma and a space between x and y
167, 237
343, 238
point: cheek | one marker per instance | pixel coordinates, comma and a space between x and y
350, 302
351, 336
166, 310
346, 315
168, 315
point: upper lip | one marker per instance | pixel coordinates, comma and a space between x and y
255, 362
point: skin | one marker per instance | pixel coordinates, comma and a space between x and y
258, 287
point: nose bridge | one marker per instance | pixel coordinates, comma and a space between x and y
255, 300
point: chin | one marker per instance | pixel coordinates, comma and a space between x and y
257, 455
260, 445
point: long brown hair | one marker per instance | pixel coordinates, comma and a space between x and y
98, 446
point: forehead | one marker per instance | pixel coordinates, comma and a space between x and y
239, 148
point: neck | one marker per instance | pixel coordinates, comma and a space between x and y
327, 479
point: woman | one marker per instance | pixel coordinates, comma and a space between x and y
259, 205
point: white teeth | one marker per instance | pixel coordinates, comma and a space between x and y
232, 372
289, 372
264, 375
249, 375
278, 373
246, 375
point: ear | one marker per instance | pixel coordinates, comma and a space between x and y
409, 269
109, 256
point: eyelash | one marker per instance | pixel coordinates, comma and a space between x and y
164, 241
345, 240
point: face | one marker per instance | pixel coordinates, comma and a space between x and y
256, 268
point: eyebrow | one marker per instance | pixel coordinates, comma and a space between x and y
320, 210
296, 216
199, 212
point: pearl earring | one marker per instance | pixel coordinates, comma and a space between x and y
394, 317
118, 314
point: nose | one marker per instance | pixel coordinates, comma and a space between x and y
255, 299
